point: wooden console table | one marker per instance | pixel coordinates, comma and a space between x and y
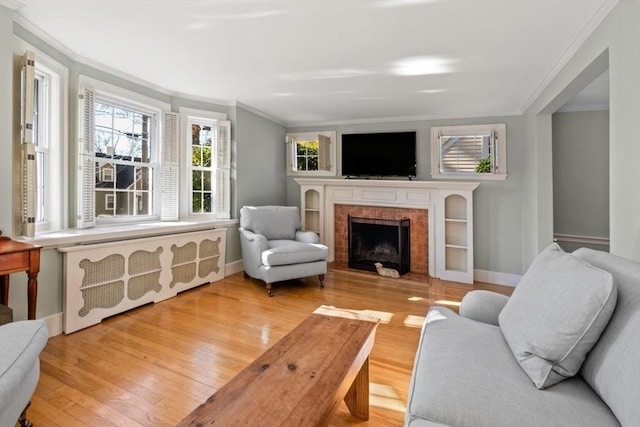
300, 380
16, 257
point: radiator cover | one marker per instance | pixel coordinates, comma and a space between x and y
104, 279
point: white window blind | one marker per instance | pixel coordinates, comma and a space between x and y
170, 168
223, 170
463, 153
324, 153
86, 168
29, 167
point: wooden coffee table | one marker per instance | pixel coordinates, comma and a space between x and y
300, 380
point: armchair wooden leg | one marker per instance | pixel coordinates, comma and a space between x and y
244, 273
269, 289
23, 421
321, 277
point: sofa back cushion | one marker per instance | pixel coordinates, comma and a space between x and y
612, 368
273, 222
556, 315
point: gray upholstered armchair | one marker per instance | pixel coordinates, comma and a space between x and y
274, 248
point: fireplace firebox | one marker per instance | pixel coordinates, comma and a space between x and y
374, 240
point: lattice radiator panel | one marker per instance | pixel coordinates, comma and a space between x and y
108, 278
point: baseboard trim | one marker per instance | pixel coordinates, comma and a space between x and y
496, 278
54, 324
233, 268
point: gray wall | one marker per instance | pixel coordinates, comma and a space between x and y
496, 206
581, 173
259, 159
615, 44
6, 117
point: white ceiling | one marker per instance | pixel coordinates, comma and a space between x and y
314, 62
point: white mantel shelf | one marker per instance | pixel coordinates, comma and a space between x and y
390, 183
450, 206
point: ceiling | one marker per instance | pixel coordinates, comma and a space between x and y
317, 62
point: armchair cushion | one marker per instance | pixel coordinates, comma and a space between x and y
273, 222
283, 252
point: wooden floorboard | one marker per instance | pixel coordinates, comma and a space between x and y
153, 365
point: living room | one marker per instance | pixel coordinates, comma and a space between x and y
513, 219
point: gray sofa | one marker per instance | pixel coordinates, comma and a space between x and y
275, 249
20, 347
469, 371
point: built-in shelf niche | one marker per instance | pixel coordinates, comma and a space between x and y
311, 214
458, 260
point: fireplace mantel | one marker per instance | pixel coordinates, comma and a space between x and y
450, 217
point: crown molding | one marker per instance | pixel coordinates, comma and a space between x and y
582, 36
11, 4
73, 56
258, 113
582, 108
399, 119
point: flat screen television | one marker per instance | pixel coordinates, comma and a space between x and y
379, 154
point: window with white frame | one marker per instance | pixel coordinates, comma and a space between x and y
109, 202
44, 81
202, 169
41, 141
124, 154
311, 153
469, 152
119, 158
207, 164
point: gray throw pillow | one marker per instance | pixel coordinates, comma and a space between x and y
556, 314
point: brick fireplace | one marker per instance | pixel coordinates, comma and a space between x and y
419, 234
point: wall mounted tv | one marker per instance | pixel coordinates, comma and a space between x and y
379, 154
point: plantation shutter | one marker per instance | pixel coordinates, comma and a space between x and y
461, 153
86, 165
29, 170
223, 170
324, 153
170, 168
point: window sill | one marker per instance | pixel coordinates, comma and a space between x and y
112, 233
472, 176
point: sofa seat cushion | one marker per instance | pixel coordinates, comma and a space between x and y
284, 252
556, 315
466, 376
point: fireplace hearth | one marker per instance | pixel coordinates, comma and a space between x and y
374, 240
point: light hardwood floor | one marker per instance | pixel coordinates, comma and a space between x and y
153, 365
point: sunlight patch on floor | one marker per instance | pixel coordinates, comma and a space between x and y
412, 321
329, 310
415, 298
447, 302
385, 396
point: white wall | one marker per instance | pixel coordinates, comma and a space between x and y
615, 45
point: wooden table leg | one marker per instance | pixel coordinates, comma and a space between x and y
32, 295
357, 398
4, 289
